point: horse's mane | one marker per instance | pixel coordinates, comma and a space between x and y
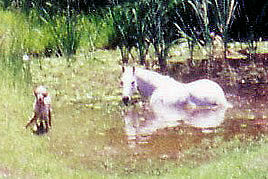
154, 78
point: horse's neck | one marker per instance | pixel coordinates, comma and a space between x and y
150, 77
148, 81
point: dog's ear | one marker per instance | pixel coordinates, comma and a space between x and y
34, 92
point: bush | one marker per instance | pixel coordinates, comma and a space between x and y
143, 22
96, 31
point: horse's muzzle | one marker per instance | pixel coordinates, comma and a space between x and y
125, 99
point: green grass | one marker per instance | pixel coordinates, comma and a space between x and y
87, 139
28, 155
180, 53
97, 31
29, 34
17, 31
246, 162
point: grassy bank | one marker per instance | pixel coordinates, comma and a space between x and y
241, 162
88, 140
27, 155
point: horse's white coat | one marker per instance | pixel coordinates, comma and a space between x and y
201, 103
142, 80
167, 91
198, 93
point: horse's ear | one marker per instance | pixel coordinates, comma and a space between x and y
134, 70
123, 69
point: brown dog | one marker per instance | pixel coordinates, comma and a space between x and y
42, 108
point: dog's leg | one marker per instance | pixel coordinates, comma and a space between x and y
41, 126
34, 118
49, 118
46, 123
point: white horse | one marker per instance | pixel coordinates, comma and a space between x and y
164, 90
140, 80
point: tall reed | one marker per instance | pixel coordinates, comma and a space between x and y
201, 8
125, 36
96, 30
206, 17
146, 22
13, 45
160, 28
65, 31
224, 13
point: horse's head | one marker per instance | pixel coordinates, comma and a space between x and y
128, 83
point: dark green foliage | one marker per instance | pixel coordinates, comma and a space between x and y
162, 23
251, 23
55, 6
63, 27
124, 24
161, 29
139, 24
143, 23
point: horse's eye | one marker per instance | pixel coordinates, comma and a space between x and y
133, 83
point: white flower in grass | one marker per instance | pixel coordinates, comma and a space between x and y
26, 57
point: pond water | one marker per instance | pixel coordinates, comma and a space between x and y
140, 124
248, 118
92, 129
130, 139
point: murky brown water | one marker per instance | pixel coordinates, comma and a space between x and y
167, 138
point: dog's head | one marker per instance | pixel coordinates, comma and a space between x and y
40, 94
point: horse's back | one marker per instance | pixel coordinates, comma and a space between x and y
209, 91
205, 86
170, 93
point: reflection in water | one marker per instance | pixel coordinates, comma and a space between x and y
140, 124
206, 118
167, 135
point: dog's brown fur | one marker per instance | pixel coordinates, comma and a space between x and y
42, 109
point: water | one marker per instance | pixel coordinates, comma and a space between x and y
93, 130
140, 124
248, 117
129, 140
124, 140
